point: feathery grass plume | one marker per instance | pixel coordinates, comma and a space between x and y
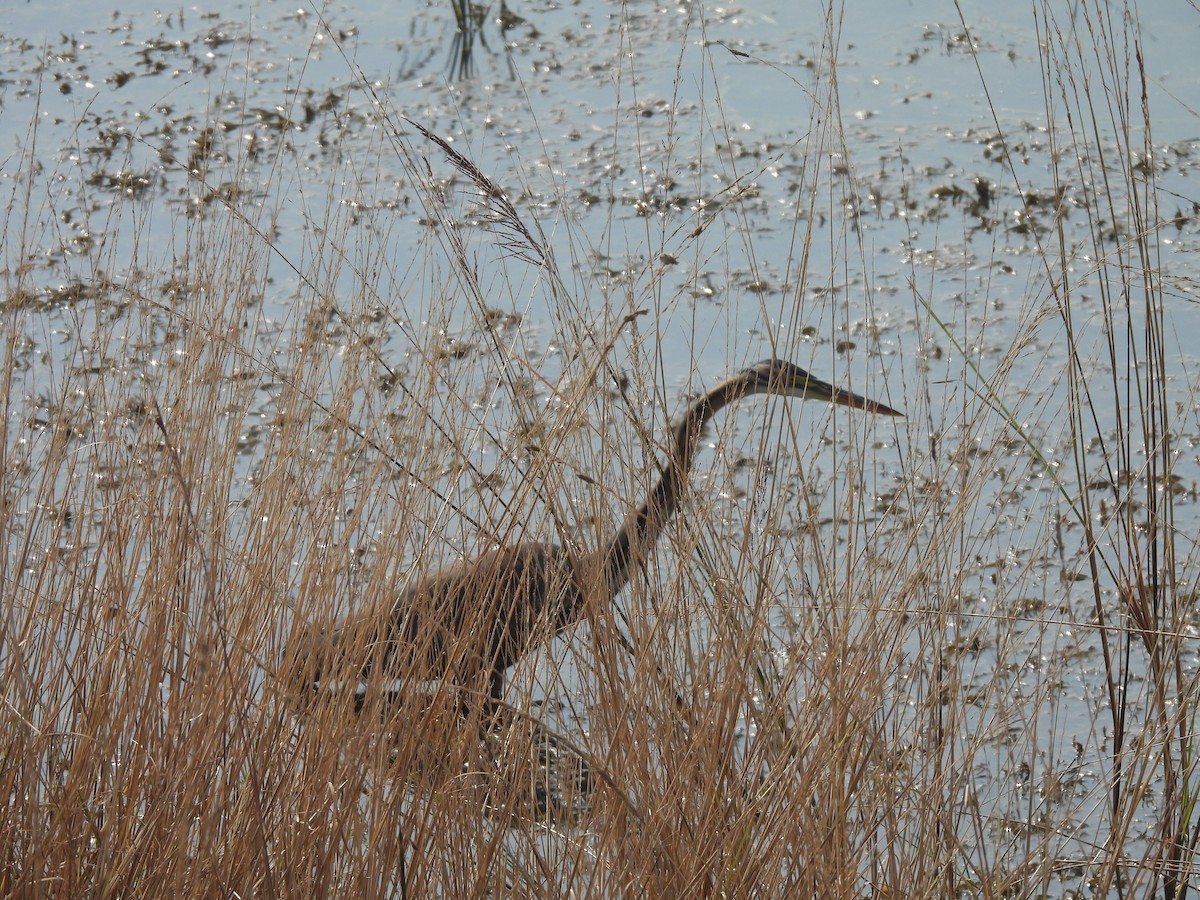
501, 216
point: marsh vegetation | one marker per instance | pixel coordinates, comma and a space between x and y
266, 361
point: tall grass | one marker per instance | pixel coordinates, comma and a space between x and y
851, 669
1126, 498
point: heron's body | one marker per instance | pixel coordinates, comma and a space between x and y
479, 616
470, 622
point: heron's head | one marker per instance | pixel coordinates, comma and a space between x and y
778, 376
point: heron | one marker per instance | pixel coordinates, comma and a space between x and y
469, 623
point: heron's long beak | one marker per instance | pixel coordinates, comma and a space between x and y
816, 389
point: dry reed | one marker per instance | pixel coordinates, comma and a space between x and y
800, 695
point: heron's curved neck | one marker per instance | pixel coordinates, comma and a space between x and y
641, 528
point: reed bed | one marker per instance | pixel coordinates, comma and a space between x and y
852, 668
